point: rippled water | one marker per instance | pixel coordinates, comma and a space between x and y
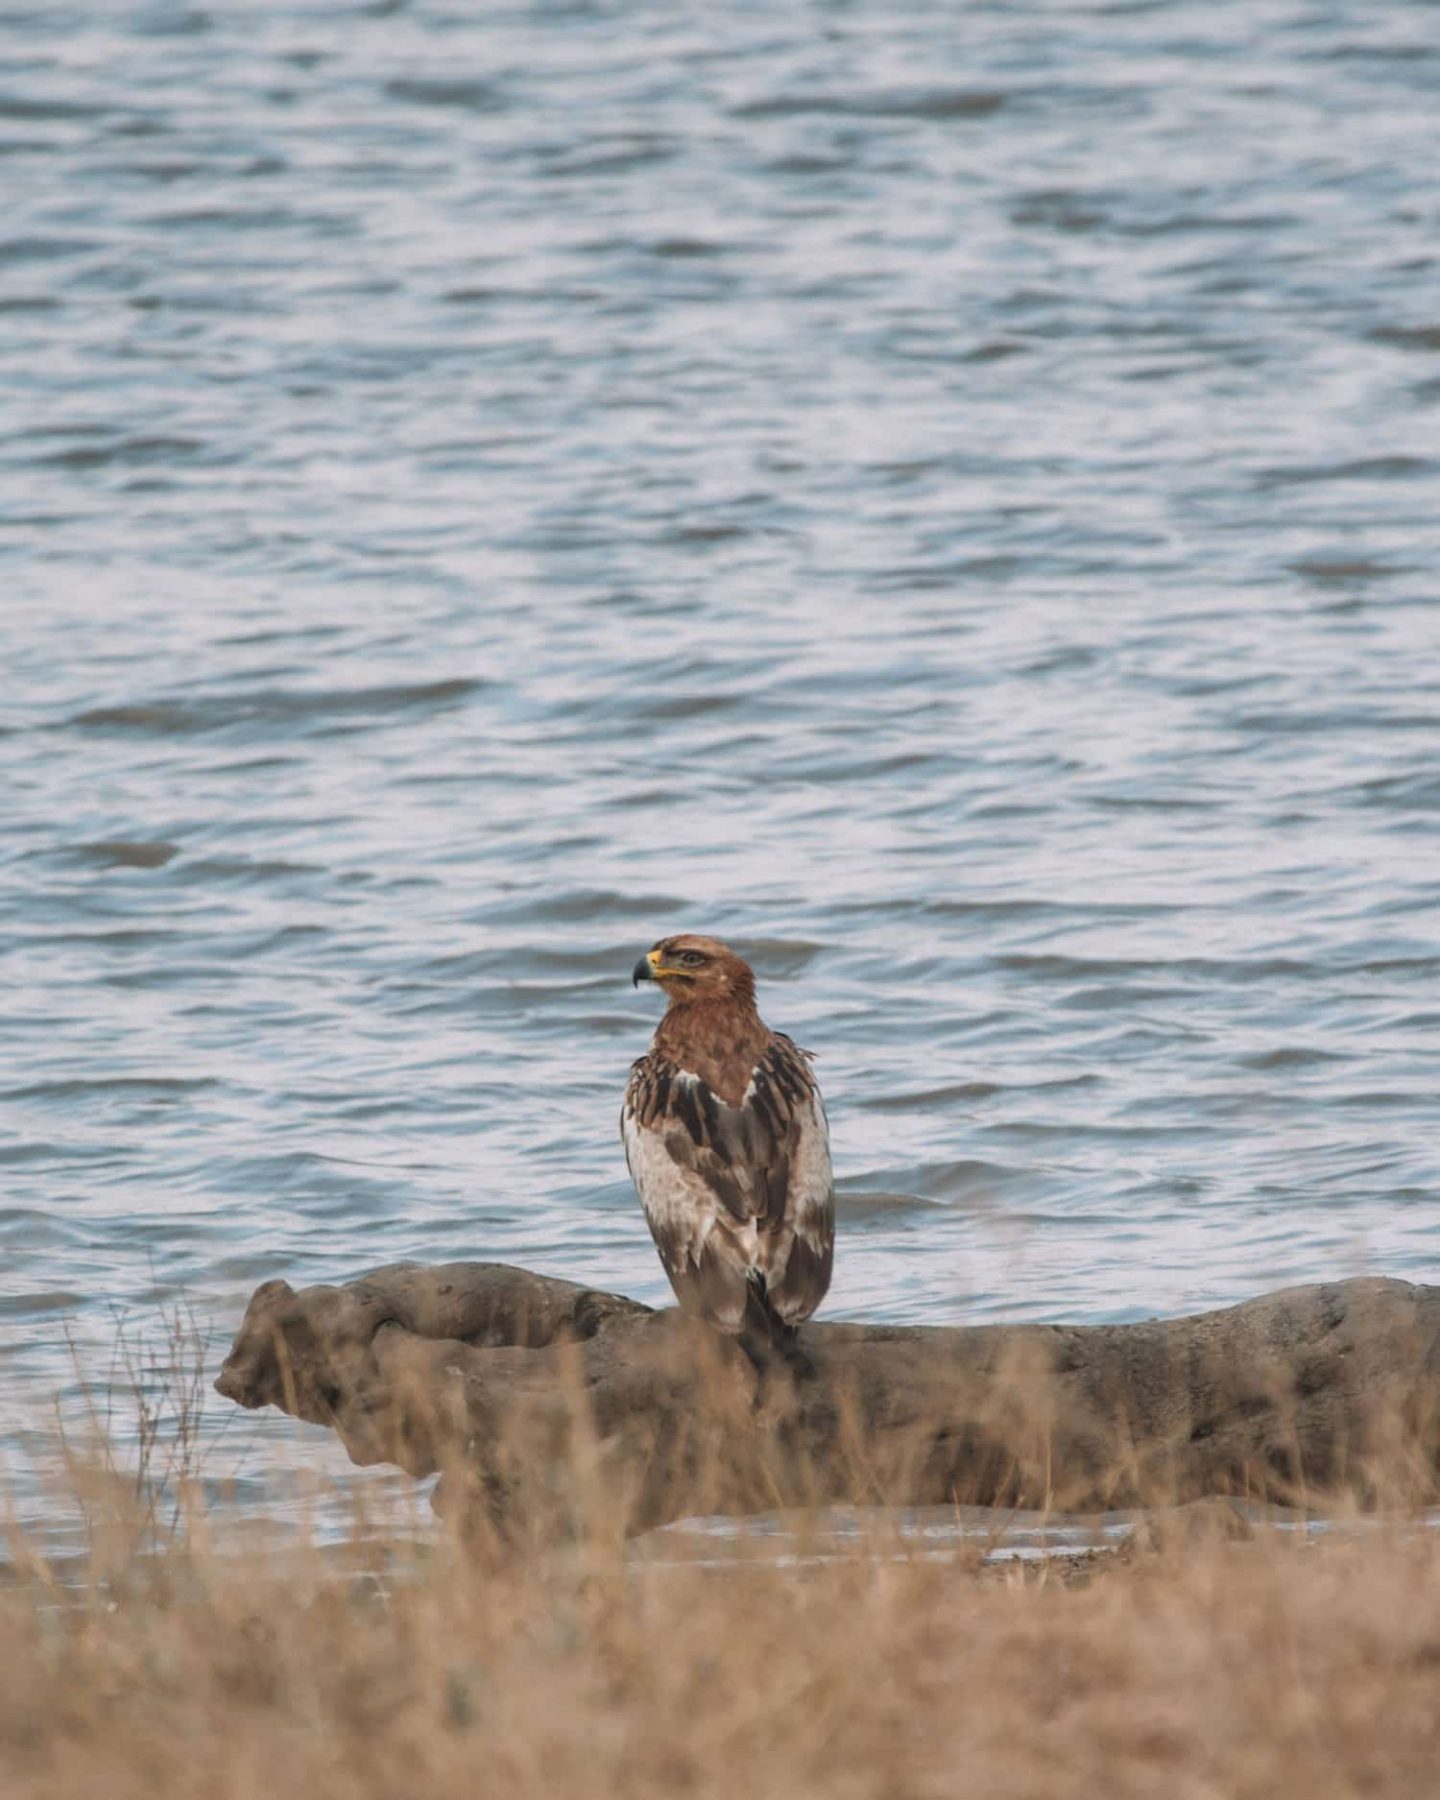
948, 499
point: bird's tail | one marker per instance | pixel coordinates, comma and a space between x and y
765, 1337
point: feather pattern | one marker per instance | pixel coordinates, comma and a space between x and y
727, 1142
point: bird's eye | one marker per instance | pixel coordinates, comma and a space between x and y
690, 959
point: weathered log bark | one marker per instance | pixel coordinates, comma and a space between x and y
545, 1403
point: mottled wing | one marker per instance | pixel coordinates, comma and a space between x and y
677, 1206
805, 1255
734, 1194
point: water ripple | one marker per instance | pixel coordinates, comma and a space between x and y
953, 510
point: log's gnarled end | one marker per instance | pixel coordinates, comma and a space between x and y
511, 1382
291, 1343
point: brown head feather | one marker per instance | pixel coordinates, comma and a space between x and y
711, 1026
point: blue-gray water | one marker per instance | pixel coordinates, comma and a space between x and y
947, 497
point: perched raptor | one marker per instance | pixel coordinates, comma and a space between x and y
726, 1139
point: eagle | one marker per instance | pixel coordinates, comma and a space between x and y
728, 1146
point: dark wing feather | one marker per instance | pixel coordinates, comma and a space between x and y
742, 1153
808, 1269
711, 1175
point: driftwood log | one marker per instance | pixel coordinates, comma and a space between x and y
546, 1405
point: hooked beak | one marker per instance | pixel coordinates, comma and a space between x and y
644, 970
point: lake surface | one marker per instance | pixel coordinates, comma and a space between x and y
947, 498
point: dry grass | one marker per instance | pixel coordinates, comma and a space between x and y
1198, 1669
1249, 1670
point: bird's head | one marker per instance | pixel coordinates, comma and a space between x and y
690, 967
